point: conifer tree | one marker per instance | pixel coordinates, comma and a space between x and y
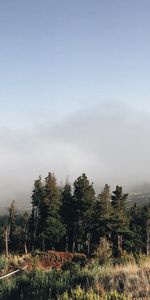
139, 229
50, 227
119, 219
101, 216
67, 213
12, 224
104, 199
84, 196
119, 208
37, 196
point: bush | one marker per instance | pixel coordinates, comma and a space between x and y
103, 252
3, 263
80, 259
124, 259
37, 252
70, 266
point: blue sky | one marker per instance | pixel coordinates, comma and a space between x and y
74, 71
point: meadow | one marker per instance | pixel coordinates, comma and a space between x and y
78, 279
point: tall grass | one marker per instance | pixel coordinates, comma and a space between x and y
106, 282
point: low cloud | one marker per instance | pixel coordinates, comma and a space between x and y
110, 142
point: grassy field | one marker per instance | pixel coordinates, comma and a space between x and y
78, 279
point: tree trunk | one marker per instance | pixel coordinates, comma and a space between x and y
88, 246
73, 247
119, 244
6, 241
25, 248
66, 244
43, 244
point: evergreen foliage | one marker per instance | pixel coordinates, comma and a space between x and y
84, 197
12, 225
75, 219
101, 216
67, 214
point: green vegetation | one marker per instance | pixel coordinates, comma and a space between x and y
76, 220
92, 281
75, 283
105, 232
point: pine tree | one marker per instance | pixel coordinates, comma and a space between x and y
12, 224
84, 196
104, 199
37, 197
50, 227
67, 213
119, 219
101, 216
119, 208
139, 231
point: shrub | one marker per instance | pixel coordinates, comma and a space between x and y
103, 251
124, 259
80, 259
70, 266
3, 263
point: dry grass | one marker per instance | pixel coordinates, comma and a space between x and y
132, 279
128, 269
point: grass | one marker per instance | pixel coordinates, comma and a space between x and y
109, 281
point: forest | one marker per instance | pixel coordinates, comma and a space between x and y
73, 218
75, 244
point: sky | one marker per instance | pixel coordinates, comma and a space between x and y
74, 93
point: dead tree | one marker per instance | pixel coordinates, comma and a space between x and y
6, 239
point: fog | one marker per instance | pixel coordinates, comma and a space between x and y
107, 140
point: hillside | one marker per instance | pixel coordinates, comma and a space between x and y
139, 198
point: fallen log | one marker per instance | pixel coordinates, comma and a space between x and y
13, 272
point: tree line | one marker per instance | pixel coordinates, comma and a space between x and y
76, 219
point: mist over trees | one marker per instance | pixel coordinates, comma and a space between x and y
73, 218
